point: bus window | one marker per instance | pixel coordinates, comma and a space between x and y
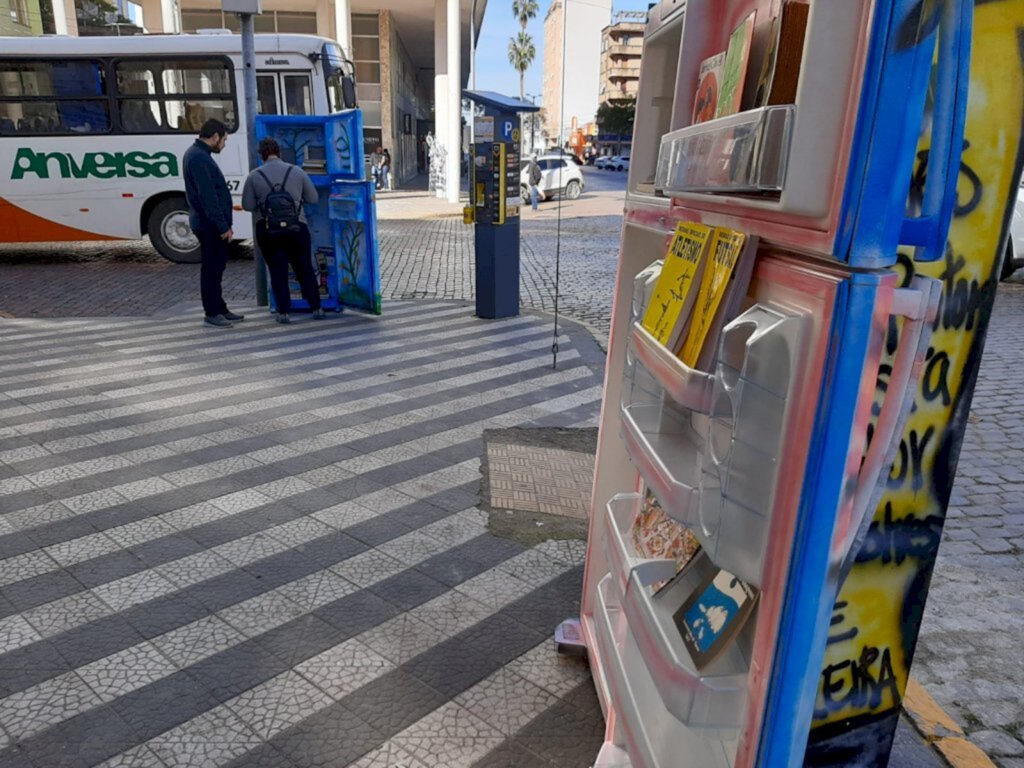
266, 94
175, 95
41, 97
298, 95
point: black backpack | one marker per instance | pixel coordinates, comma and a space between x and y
280, 211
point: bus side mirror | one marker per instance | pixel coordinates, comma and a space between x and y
348, 92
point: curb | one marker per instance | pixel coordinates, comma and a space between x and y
940, 731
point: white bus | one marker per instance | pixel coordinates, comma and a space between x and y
93, 129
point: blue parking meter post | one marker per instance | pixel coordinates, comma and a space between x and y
494, 194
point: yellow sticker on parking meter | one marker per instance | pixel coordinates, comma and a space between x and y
515, 134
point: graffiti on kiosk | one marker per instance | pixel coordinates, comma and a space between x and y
877, 615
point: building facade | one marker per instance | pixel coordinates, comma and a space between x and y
400, 51
622, 46
22, 18
572, 64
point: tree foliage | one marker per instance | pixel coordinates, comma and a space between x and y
617, 118
521, 51
521, 54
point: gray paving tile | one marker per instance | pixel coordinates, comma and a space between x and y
28, 712
280, 702
210, 739
197, 640
345, 668
125, 671
66, 613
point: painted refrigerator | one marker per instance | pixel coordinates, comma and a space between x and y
343, 222
766, 453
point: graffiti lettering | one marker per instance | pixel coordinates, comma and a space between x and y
893, 540
910, 461
853, 683
969, 188
963, 300
837, 620
935, 379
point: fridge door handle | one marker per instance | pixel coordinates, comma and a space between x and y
917, 306
929, 229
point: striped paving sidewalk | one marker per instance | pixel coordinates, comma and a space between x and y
263, 547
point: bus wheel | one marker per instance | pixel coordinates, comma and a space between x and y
170, 233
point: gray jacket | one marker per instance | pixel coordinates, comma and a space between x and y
256, 188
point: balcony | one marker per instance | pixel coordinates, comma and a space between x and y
622, 73
619, 49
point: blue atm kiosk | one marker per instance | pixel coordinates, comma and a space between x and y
495, 200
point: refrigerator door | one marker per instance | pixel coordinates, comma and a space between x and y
657, 696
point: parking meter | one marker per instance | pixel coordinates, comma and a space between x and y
495, 200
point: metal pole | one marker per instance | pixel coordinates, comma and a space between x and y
251, 107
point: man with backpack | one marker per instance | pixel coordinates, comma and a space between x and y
276, 193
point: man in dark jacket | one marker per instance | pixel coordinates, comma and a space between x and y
293, 245
533, 176
209, 203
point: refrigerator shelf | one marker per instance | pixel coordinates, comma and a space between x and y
665, 448
654, 736
689, 387
743, 153
623, 560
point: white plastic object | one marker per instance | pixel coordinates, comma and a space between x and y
755, 375
623, 560
688, 387
745, 152
654, 737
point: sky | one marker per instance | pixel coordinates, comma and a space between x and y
494, 73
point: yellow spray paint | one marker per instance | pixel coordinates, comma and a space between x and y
878, 612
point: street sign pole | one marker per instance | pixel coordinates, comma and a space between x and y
246, 9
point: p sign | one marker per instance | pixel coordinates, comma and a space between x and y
507, 127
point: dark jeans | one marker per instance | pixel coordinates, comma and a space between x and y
214, 257
278, 252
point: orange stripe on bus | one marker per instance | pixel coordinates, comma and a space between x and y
22, 226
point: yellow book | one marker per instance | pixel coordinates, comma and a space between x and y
726, 248
676, 289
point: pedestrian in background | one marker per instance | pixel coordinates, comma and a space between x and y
386, 170
276, 193
210, 217
534, 175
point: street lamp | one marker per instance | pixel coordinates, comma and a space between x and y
533, 121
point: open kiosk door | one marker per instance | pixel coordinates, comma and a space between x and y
343, 223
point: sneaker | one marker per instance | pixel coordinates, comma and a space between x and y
233, 317
319, 314
217, 321
283, 319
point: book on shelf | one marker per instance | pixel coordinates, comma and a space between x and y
734, 70
780, 71
676, 289
709, 82
657, 536
723, 290
711, 617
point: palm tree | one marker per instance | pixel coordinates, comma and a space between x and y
524, 10
521, 54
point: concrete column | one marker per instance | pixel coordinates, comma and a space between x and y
454, 129
60, 17
70, 17
441, 77
343, 25
324, 22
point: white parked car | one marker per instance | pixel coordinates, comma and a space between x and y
602, 162
619, 163
558, 175
1014, 258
